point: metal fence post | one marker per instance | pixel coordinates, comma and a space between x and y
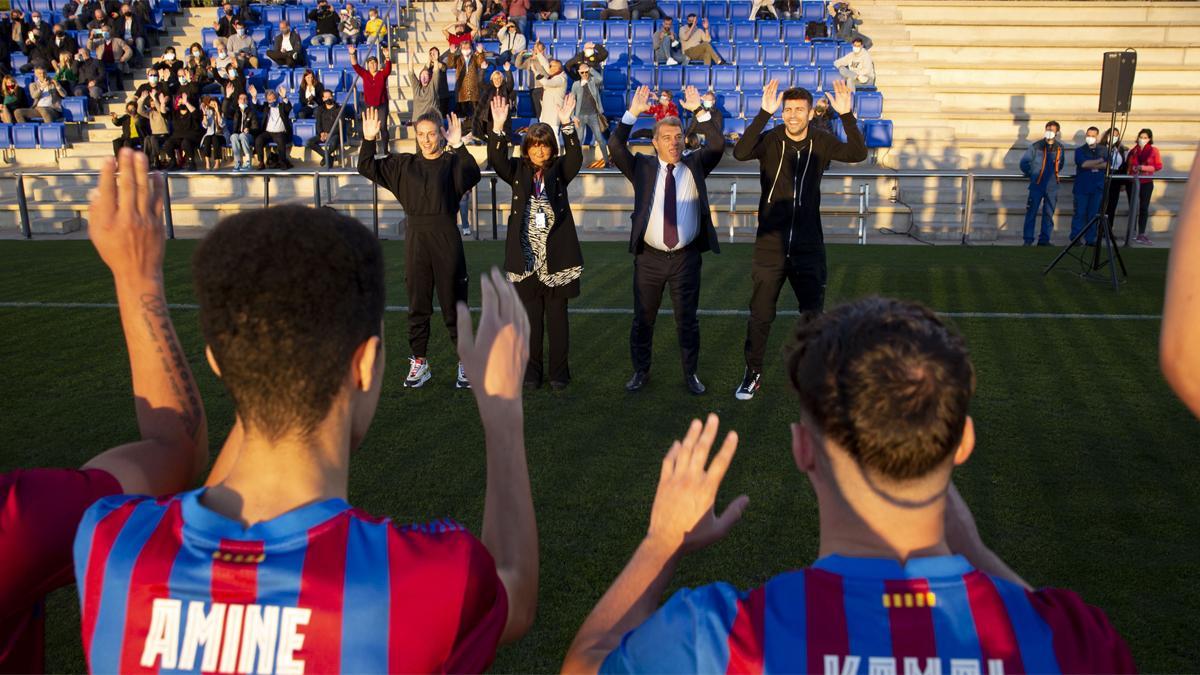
732, 208
26, 228
266, 191
1135, 199
495, 213
375, 205
317, 188
862, 213
968, 207
168, 218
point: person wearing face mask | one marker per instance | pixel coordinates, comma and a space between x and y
375, 29
327, 118
499, 84
288, 51
92, 81
225, 24
46, 95
134, 128
512, 43
694, 137
168, 62
594, 56
243, 127
857, 66
38, 52
276, 116
186, 132
537, 62
663, 107
213, 141
223, 58
1091, 158
1143, 162
588, 111
241, 46
1041, 164
351, 25
554, 90
311, 91
1112, 139
115, 56
12, 99
64, 71
130, 28
62, 41
152, 106
789, 244
469, 65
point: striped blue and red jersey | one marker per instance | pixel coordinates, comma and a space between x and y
846, 616
171, 585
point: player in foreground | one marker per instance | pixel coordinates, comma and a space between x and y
1179, 345
269, 569
41, 508
903, 583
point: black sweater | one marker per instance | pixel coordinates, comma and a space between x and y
430, 190
784, 164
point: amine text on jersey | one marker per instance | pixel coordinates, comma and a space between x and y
171, 585
847, 616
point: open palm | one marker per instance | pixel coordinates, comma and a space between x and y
370, 124
499, 113
566, 110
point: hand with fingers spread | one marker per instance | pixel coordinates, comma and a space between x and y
454, 133
691, 99
125, 218
567, 110
640, 102
772, 98
842, 99
370, 124
495, 357
684, 516
499, 113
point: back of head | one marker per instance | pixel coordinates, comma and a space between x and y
287, 294
887, 381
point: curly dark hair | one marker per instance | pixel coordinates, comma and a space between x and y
886, 380
287, 294
539, 133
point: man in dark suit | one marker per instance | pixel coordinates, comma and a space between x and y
672, 226
289, 50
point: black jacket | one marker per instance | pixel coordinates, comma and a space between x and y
294, 40
327, 20
430, 190
143, 125
595, 62
285, 112
562, 243
785, 165
242, 122
91, 70
642, 171
136, 28
225, 25
67, 44
326, 118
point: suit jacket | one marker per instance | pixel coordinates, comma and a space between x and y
241, 121
642, 171
285, 112
562, 243
294, 40
143, 125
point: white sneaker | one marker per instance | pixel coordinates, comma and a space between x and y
418, 372
672, 62
462, 382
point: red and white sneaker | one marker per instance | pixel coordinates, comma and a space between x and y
418, 372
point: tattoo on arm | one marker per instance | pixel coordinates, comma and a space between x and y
161, 331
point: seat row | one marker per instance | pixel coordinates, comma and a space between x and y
31, 135
600, 32
735, 10
822, 53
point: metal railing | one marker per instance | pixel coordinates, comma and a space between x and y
862, 192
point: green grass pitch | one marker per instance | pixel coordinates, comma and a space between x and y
1084, 475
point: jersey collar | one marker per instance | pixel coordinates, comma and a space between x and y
208, 525
886, 568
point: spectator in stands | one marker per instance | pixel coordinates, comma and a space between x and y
64, 71
187, 86
882, 425
517, 11
242, 46
38, 52
232, 81
472, 12
200, 70
76, 14
822, 116
169, 64
664, 107
548, 10
276, 116
1090, 161
289, 49
537, 62
225, 25
327, 117
212, 142
1116, 186
512, 43
469, 67
498, 85
12, 99
1042, 162
152, 107
444, 95
152, 82
589, 112
114, 55
40, 26
46, 95
458, 33
554, 90
594, 56
1144, 161
130, 28
62, 41
243, 128
425, 91
760, 7
617, 9
375, 92
845, 20
134, 128
645, 9
99, 21
857, 67
223, 58
694, 137
310, 90
668, 49
92, 81
697, 42
13, 28
186, 131
376, 29
327, 24
351, 25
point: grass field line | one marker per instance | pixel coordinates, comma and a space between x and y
627, 311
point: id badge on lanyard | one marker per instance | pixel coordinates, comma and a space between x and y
539, 218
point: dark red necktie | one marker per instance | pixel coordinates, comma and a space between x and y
670, 228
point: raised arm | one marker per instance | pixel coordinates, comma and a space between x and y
714, 150
750, 145
1179, 356
855, 147
126, 227
495, 363
572, 152
466, 172
618, 142
498, 144
384, 172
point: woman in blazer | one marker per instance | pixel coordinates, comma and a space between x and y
542, 254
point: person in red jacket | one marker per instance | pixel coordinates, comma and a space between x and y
375, 93
1143, 160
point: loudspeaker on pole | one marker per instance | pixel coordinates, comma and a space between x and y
1116, 82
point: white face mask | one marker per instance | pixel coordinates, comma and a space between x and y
1142, 142
857, 49
220, 55
242, 106
1050, 135
169, 57
196, 53
1090, 140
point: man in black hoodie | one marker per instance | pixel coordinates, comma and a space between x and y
789, 243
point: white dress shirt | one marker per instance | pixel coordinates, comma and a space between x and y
687, 201
275, 123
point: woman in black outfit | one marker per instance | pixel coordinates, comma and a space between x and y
1116, 186
542, 254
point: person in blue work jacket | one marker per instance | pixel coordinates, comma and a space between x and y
1090, 160
1041, 164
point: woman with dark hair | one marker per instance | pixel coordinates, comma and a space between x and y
1117, 185
542, 254
311, 91
1144, 161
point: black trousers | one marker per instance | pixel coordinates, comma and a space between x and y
804, 270
535, 97
189, 145
446, 105
434, 260
282, 139
547, 310
210, 146
1146, 191
652, 270
1115, 188
285, 59
132, 143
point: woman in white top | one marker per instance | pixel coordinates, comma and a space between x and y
213, 142
554, 90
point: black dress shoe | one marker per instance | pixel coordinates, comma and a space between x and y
532, 383
694, 385
639, 380
558, 385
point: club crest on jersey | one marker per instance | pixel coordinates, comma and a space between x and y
235, 638
888, 665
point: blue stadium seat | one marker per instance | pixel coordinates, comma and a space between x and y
800, 55
807, 77
671, 8
613, 103
734, 125
272, 14
339, 57
331, 79
43, 6
690, 7
5, 136
208, 37
838, 129
592, 31
670, 77
642, 123
524, 104
317, 55
742, 31
543, 31
305, 31
261, 35
750, 78
829, 75
642, 31
718, 29
751, 104
878, 133
642, 52
716, 9
17, 59
302, 130
618, 54
52, 135
868, 105
75, 108
774, 55
782, 74
278, 76
566, 31
768, 31
24, 135
730, 104
563, 51
295, 15
739, 10
572, 10
824, 52
641, 76
696, 76
793, 32
724, 78
616, 29
616, 79
745, 54
812, 10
